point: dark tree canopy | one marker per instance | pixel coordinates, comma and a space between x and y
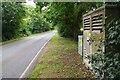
68, 16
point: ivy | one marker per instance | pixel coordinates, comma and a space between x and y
107, 64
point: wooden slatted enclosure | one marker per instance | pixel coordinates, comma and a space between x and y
95, 30
93, 24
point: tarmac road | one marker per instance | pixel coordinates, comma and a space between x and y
17, 55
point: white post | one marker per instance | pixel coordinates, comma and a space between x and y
80, 42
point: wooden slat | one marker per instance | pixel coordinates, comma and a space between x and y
97, 18
86, 22
85, 18
97, 21
86, 25
97, 28
98, 24
96, 15
87, 28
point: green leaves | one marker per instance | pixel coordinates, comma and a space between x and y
110, 60
68, 17
19, 20
12, 13
113, 46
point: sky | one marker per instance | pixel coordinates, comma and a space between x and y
30, 2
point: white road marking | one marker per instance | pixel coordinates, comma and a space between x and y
22, 76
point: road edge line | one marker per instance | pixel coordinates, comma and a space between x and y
22, 75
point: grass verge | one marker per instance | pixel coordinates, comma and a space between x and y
19, 38
9, 41
60, 59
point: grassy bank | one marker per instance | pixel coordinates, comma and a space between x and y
19, 38
60, 60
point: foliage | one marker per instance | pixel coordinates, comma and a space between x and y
19, 19
40, 24
107, 65
68, 16
112, 56
97, 60
12, 14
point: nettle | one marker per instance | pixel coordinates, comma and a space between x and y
106, 64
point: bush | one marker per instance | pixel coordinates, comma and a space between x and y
107, 65
112, 55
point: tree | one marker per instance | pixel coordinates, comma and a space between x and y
12, 14
68, 16
20, 20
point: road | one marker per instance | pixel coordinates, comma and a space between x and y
17, 55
